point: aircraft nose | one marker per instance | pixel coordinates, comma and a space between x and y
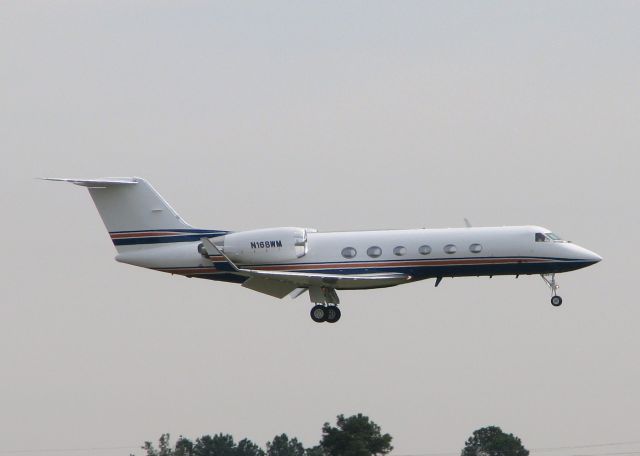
589, 256
593, 256
584, 256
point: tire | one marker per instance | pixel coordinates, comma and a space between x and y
333, 314
319, 313
556, 301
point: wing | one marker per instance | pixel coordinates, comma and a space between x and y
283, 283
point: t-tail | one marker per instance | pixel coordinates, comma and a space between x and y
135, 214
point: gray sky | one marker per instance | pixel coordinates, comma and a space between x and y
342, 115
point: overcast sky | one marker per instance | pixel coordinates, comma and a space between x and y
333, 115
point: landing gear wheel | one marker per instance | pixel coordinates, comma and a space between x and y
333, 314
556, 301
319, 313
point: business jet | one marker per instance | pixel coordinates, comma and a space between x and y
290, 261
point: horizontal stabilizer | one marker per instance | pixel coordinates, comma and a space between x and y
94, 183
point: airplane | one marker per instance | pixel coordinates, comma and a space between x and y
289, 261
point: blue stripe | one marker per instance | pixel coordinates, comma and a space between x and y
404, 260
167, 239
423, 272
177, 230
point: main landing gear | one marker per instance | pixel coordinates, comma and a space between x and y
325, 313
550, 280
326, 304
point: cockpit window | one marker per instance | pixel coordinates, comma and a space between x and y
548, 237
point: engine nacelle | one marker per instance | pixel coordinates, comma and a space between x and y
269, 245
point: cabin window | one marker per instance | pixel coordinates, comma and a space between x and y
349, 252
424, 250
374, 252
450, 248
475, 248
400, 250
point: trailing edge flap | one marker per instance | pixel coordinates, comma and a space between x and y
297, 292
307, 279
273, 288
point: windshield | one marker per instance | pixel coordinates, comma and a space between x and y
548, 237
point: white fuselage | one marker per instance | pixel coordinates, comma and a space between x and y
288, 261
420, 253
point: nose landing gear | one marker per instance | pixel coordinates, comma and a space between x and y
556, 301
550, 280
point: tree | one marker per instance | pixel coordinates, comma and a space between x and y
218, 445
491, 441
247, 448
184, 447
314, 451
283, 446
164, 447
223, 445
356, 435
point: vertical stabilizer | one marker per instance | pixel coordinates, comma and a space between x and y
134, 213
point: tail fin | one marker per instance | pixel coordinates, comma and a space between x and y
134, 213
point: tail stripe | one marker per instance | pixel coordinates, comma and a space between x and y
172, 230
160, 236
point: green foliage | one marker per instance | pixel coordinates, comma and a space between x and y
356, 435
218, 445
281, 445
314, 451
164, 447
184, 447
247, 448
491, 441
223, 445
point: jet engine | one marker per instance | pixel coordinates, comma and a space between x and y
269, 245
